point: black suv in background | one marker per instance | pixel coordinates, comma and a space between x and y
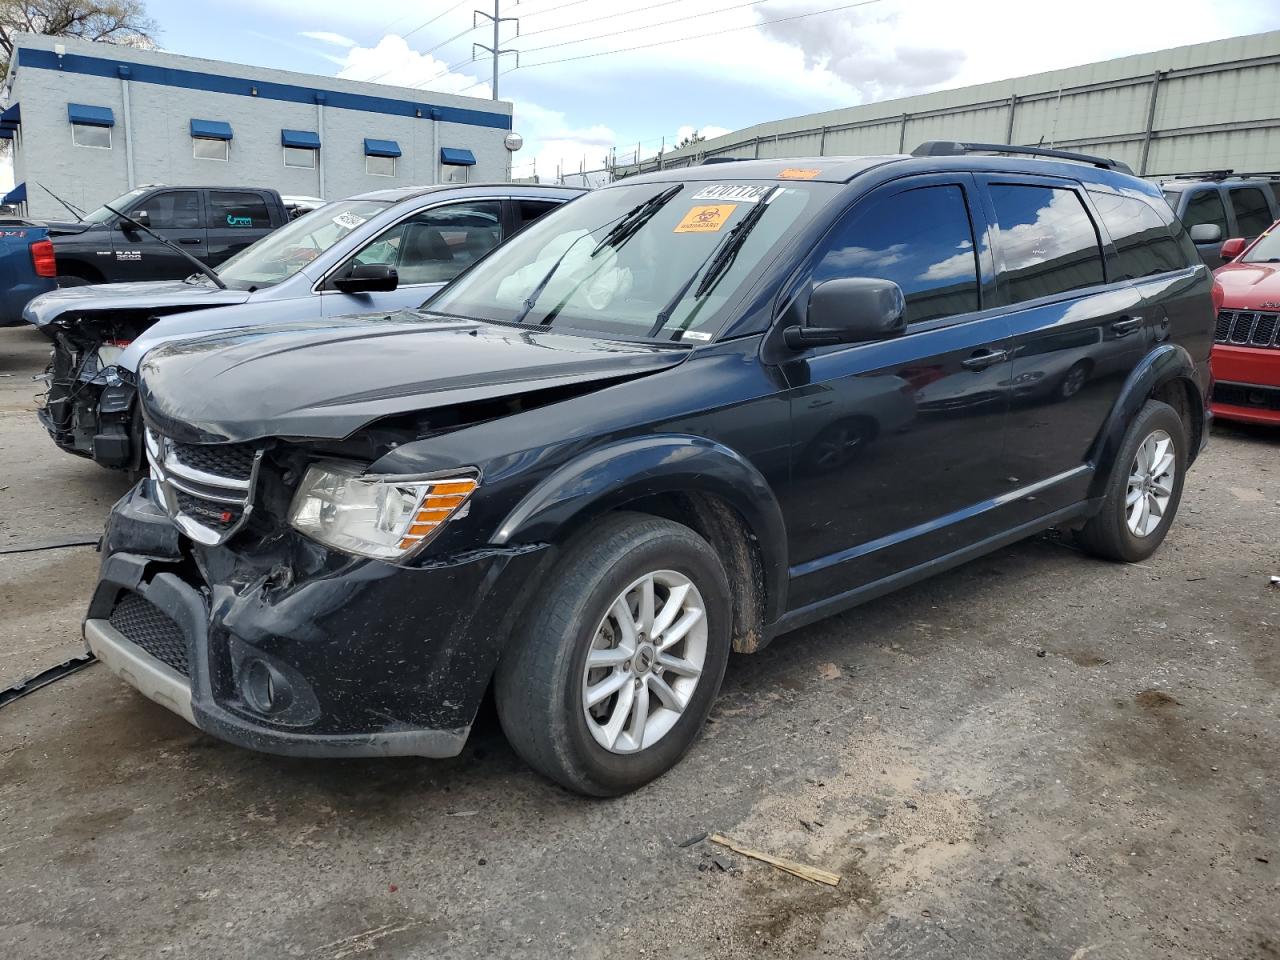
1222, 204
210, 223
679, 416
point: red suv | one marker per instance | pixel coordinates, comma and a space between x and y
1246, 351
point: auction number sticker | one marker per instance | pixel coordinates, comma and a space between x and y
732, 192
798, 173
348, 220
706, 218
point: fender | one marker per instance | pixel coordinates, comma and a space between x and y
1164, 364
643, 466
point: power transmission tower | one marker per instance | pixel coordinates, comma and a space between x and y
496, 50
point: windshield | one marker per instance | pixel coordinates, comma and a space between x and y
1267, 248
281, 254
620, 261
121, 203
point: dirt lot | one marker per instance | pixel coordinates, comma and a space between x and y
1036, 756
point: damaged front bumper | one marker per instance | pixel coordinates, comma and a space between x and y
296, 650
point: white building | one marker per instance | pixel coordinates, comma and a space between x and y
90, 121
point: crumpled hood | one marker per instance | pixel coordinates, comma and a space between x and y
326, 379
164, 295
1248, 285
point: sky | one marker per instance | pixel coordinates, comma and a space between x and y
706, 65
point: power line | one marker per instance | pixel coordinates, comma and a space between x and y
623, 13
423, 26
538, 13
696, 36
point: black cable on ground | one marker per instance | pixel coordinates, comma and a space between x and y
57, 545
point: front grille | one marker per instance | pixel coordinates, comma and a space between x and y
234, 460
1247, 328
206, 488
1246, 395
150, 628
216, 516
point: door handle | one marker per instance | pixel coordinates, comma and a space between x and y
1126, 325
985, 358
189, 240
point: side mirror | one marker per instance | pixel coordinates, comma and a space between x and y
1233, 248
850, 310
141, 216
1206, 233
368, 278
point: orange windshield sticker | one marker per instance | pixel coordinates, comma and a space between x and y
798, 173
707, 218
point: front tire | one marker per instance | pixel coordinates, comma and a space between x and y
1144, 489
622, 655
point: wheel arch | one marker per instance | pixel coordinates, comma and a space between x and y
702, 484
1167, 374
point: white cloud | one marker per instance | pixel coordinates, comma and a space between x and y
393, 61
324, 36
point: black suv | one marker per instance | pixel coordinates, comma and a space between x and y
677, 417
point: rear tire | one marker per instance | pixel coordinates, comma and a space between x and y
1142, 494
593, 605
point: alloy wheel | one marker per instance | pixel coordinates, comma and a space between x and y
1151, 480
646, 657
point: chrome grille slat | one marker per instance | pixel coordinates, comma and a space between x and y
208, 507
1248, 328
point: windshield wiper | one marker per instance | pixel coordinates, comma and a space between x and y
74, 210
635, 218
198, 264
536, 292
716, 263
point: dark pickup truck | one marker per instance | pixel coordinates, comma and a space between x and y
210, 223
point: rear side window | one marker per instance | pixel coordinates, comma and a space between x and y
531, 210
921, 239
172, 210
1253, 214
1144, 245
1048, 243
243, 210
1205, 206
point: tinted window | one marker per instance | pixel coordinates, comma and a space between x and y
1143, 243
227, 209
531, 210
922, 240
1205, 206
438, 244
174, 210
1047, 242
1253, 215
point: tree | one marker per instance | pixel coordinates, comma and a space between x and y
692, 138
122, 22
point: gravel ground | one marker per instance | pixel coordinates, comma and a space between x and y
1036, 755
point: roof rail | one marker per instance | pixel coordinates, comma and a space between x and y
709, 160
953, 148
1226, 175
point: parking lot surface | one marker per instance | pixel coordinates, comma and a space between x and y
1036, 755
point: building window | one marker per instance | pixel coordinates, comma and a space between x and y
203, 148
380, 166
90, 125
299, 157
456, 164
86, 136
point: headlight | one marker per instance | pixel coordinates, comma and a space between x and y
383, 517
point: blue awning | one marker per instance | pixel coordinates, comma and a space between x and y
17, 195
457, 157
381, 148
88, 116
211, 129
11, 116
302, 139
